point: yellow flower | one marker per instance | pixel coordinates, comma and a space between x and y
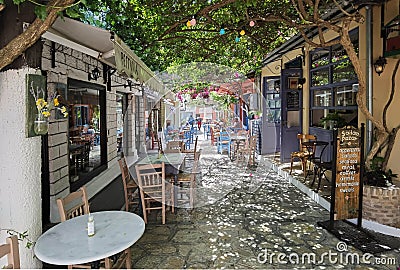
41, 103
56, 103
46, 114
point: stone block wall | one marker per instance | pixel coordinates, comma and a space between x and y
382, 205
70, 63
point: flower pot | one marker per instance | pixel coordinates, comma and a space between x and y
41, 124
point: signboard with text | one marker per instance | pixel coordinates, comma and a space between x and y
348, 176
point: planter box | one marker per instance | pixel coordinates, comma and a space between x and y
382, 205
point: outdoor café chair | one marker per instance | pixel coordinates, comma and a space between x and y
223, 142
187, 184
130, 186
304, 153
155, 192
248, 152
11, 249
76, 204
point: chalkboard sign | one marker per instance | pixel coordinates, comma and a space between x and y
292, 99
348, 161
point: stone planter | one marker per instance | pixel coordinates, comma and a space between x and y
382, 205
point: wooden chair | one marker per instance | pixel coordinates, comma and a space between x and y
73, 205
190, 153
12, 251
223, 142
174, 147
304, 153
187, 183
76, 204
160, 146
130, 186
248, 152
155, 192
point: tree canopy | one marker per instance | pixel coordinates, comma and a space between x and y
235, 33
159, 33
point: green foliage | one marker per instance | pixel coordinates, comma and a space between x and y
158, 33
22, 236
41, 12
334, 118
376, 176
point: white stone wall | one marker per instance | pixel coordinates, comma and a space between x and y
70, 63
20, 166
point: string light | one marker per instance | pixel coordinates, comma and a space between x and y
193, 22
251, 23
237, 39
188, 24
242, 32
222, 31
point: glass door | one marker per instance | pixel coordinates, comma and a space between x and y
272, 115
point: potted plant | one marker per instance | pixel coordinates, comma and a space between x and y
333, 120
376, 176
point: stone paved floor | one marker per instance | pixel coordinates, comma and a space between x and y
244, 219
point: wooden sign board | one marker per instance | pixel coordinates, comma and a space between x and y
348, 162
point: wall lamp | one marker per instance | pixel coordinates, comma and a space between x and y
94, 75
300, 83
379, 65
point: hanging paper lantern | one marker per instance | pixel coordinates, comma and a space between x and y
251, 23
193, 22
242, 32
222, 31
188, 24
237, 39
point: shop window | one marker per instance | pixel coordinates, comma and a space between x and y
273, 100
322, 98
84, 132
343, 71
334, 85
320, 77
120, 110
346, 95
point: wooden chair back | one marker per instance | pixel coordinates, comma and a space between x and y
152, 185
12, 251
129, 184
305, 138
73, 205
174, 147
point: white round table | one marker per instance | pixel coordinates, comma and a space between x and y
67, 243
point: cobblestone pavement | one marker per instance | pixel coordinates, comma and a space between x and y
247, 219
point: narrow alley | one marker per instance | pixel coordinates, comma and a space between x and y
246, 219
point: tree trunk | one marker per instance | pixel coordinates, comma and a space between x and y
381, 133
32, 34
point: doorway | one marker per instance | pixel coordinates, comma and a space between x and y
291, 113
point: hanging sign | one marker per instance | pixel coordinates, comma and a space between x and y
348, 178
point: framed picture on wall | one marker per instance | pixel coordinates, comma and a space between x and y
293, 83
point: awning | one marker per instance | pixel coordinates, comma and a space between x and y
104, 46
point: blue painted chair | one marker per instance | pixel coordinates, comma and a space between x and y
223, 142
207, 131
187, 137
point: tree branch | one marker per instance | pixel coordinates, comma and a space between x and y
392, 91
26, 39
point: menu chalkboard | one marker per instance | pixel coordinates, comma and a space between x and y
293, 100
347, 173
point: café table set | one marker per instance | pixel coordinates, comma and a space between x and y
68, 242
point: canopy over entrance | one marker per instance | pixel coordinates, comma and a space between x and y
105, 46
